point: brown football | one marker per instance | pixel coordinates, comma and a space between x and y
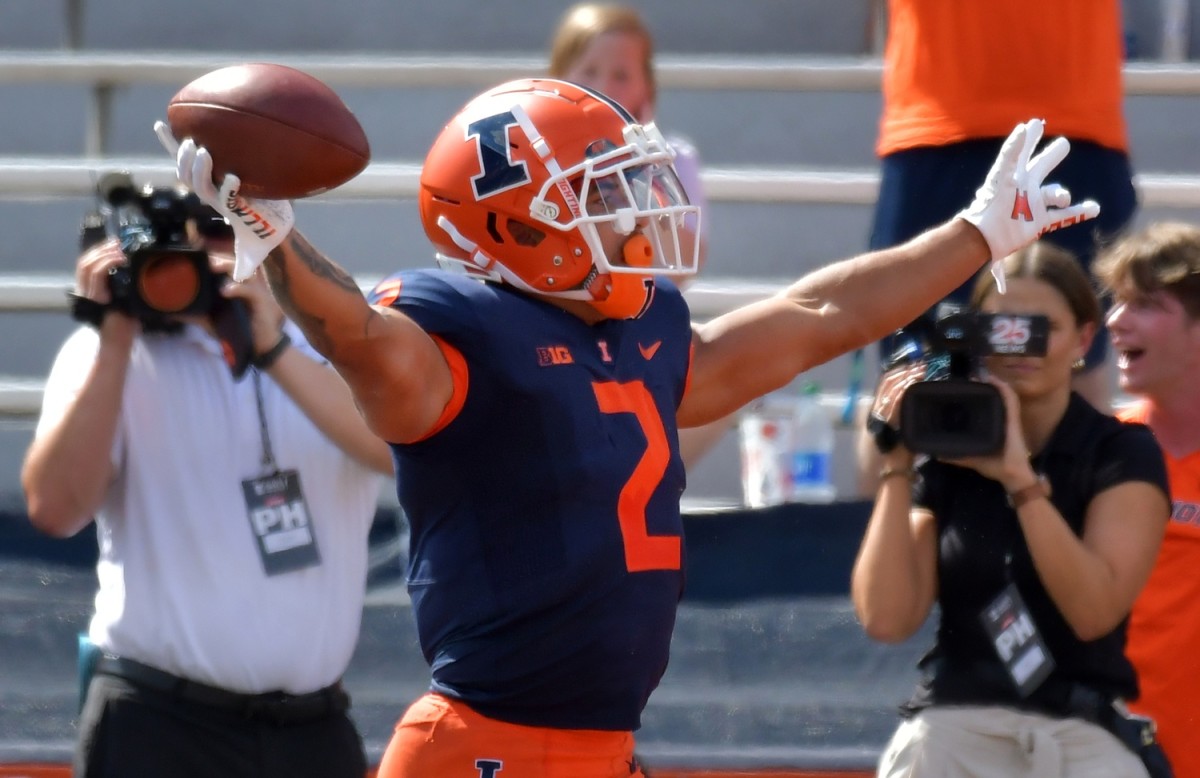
284, 133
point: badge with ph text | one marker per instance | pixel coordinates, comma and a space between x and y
1017, 641
281, 523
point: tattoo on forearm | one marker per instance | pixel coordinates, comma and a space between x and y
314, 326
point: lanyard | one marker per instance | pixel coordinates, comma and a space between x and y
268, 458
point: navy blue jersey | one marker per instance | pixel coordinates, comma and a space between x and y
546, 541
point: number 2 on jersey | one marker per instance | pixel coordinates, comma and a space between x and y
643, 551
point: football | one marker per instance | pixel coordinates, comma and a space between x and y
284, 133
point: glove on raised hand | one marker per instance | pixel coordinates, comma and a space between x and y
258, 225
1014, 207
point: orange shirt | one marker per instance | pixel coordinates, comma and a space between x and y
959, 69
1163, 640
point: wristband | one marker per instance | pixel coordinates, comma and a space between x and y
886, 436
1035, 491
892, 472
87, 310
265, 360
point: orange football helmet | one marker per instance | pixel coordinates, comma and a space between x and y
518, 186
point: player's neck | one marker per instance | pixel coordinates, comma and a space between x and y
577, 308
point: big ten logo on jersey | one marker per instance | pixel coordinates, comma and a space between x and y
488, 768
280, 519
554, 355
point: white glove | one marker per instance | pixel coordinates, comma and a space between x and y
1014, 207
258, 225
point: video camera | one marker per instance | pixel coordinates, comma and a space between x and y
161, 230
951, 413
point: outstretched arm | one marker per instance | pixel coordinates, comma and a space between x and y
846, 305
312, 384
835, 309
395, 370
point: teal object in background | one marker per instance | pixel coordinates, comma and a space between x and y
88, 654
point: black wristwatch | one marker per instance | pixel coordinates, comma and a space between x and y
886, 436
87, 310
264, 360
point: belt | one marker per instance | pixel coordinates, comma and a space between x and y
275, 707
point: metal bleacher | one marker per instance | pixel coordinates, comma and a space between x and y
781, 98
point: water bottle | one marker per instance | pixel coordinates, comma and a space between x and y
811, 471
766, 443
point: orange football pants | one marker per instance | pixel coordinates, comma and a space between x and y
442, 737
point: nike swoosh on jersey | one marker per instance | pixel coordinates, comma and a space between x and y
648, 352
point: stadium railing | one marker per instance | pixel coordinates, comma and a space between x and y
28, 178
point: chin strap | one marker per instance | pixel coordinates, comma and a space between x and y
625, 295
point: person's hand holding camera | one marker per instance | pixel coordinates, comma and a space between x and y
266, 317
884, 420
1010, 466
93, 268
92, 272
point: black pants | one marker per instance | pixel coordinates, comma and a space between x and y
127, 730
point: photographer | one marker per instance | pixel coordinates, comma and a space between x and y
232, 515
1034, 555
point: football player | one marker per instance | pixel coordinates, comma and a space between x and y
532, 397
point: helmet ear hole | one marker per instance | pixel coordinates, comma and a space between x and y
524, 234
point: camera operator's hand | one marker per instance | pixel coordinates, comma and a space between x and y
1015, 206
893, 383
92, 271
93, 268
266, 317
258, 225
885, 412
1010, 466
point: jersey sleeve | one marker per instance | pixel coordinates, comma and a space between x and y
1131, 454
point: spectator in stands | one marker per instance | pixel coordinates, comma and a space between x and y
957, 75
1034, 556
232, 519
609, 48
532, 397
1154, 277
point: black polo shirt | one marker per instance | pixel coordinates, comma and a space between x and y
981, 549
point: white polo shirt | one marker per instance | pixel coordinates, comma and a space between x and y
182, 583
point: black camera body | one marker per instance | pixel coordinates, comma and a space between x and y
161, 231
168, 272
951, 413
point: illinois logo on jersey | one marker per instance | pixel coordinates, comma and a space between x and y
554, 355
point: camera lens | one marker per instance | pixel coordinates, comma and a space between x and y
168, 283
952, 417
